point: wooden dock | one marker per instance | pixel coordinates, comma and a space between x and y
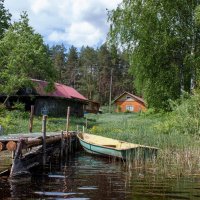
33, 149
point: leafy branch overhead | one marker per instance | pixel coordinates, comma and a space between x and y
163, 40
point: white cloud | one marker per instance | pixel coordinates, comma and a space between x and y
83, 33
77, 22
38, 6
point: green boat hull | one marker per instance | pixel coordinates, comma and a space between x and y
139, 153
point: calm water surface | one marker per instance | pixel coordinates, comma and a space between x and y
87, 177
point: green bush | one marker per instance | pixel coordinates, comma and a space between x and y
185, 117
19, 106
2, 110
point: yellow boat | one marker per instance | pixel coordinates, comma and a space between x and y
110, 147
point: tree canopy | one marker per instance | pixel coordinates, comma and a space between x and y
23, 56
163, 41
4, 18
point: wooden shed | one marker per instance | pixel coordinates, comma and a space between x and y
128, 102
53, 103
92, 107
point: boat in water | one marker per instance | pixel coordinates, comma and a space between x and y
104, 146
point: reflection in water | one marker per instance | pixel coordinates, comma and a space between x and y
87, 177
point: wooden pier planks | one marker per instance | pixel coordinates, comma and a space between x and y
9, 142
33, 148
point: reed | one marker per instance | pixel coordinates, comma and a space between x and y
179, 154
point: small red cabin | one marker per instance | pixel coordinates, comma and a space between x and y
128, 102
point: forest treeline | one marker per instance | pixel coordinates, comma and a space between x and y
152, 50
93, 71
24, 55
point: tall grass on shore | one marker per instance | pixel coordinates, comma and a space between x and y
18, 122
179, 153
176, 134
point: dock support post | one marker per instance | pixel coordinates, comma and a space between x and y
62, 145
16, 164
31, 119
67, 123
44, 120
67, 127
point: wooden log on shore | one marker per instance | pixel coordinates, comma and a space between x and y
32, 142
2, 146
11, 146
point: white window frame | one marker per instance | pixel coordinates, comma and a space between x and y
130, 108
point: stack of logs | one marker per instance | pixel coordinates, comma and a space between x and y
32, 142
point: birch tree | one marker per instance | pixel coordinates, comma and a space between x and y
163, 43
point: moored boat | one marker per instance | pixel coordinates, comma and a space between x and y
104, 146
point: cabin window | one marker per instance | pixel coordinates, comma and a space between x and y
128, 97
28, 90
130, 108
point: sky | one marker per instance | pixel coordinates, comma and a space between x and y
71, 22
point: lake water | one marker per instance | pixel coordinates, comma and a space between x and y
87, 177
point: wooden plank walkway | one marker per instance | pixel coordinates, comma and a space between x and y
16, 137
31, 149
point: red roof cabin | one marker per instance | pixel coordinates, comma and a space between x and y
53, 103
128, 102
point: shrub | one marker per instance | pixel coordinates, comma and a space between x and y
2, 110
185, 117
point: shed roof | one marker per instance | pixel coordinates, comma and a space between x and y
132, 95
60, 90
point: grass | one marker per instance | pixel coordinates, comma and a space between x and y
179, 152
18, 122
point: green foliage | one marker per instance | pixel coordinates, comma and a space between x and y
2, 110
22, 56
185, 118
18, 106
71, 70
5, 19
58, 56
163, 39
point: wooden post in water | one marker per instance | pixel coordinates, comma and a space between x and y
62, 145
67, 126
16, 164
31, 119
67, 123
44, 121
